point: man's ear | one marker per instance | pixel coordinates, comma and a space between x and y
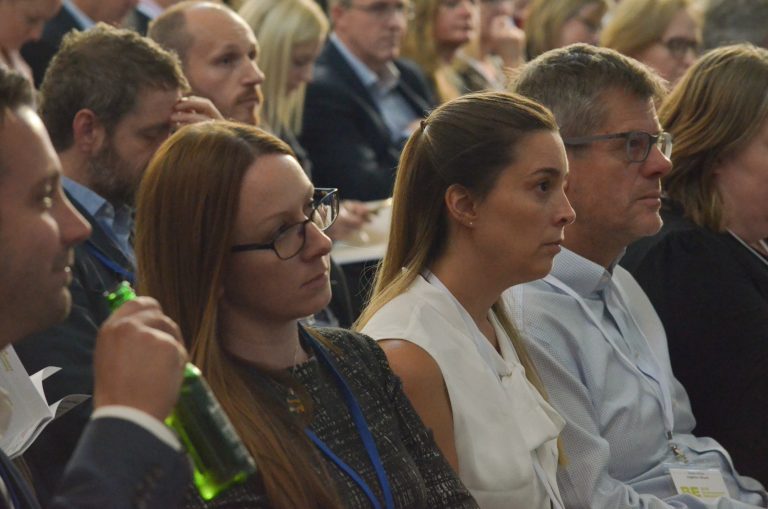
88, 132
461, 205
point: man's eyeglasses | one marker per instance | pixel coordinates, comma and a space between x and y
638, 143
290, 241
383, 11
680, 46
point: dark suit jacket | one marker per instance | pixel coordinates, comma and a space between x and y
711, 293
38, 54
138, 20
69, 345
344, 132
117, 465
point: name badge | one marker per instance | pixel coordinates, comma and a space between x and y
704, 484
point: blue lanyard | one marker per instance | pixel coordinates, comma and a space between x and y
9, 485
110, 264
362, 428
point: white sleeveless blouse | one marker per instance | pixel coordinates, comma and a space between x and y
504, 430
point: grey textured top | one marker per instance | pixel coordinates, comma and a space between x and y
418, 474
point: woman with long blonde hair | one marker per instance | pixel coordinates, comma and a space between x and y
438, 30
229, 239
479, 206
292, 33
706, 271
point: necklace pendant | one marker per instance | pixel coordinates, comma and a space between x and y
295, 405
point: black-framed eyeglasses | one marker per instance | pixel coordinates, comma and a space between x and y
679, 47
638, 143
290, 241
382, 11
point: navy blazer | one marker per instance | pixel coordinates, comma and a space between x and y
39, 54
344, 132
69, 346
117, 465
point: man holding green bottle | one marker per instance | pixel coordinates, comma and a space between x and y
126, 457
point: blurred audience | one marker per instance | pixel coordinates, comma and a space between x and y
663, 34
706, 272
556, 23
497, 45
324, 417
478, 207
733, 21
145, 12
73, 15
439, 29
363, 101
22, 21
219, 54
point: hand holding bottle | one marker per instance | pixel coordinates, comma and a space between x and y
139, 359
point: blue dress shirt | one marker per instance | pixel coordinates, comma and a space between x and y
602, 354
117, 222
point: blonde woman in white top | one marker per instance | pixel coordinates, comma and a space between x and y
478, 207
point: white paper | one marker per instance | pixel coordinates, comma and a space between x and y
30, 412
370, 242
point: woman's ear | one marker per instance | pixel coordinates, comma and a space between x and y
461, 205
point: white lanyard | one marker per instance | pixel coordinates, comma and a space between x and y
653, 370
752, 249
496, 364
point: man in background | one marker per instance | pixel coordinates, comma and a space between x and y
73, 15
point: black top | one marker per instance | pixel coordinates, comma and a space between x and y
418, 474
711, 293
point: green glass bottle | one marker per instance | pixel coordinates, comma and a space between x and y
219, 457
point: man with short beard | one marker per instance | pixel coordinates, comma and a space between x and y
219, 54
109, 99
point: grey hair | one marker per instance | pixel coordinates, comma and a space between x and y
571, 81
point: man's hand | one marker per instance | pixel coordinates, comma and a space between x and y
192, 109
139, 359
508, 41
353, 215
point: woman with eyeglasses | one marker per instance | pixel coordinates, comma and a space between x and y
556, 23
479, 206
439, 28
230, 241
663, 34
295, 31
706, 272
